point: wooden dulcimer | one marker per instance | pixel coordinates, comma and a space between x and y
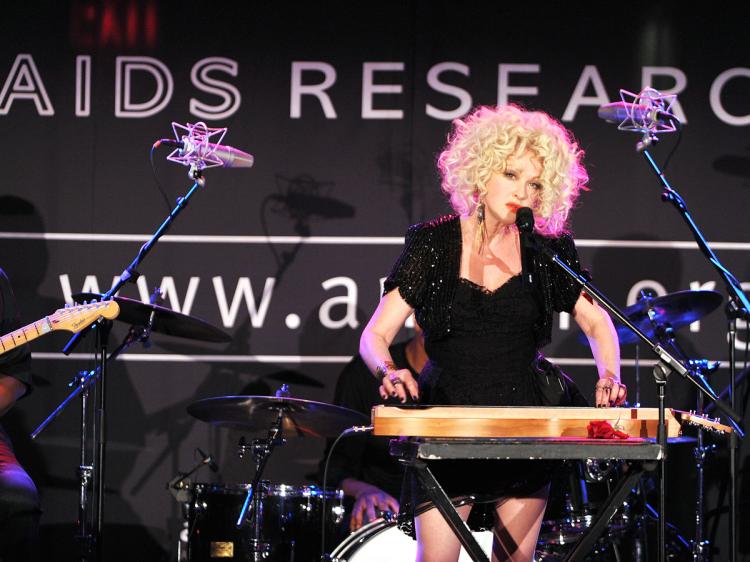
470, 422
71, 319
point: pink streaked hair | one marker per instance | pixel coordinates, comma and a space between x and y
480, 144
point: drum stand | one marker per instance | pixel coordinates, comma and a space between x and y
665, 336
701, 547
181, 488
261, 449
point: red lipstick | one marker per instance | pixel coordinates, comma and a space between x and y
513, 206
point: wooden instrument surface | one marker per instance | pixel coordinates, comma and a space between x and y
514, 421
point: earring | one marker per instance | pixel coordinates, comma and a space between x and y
480, 237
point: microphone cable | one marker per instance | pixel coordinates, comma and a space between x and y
350, 431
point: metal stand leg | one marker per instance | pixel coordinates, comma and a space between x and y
406, 452
449, 513
660, 374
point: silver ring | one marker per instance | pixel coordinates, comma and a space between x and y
396, 382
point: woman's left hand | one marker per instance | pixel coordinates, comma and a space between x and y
610, 392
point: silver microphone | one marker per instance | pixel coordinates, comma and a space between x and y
620, 111
194, 149
649, 112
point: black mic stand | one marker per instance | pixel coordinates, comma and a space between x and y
83, 383
738, 307
92, 541
666, 365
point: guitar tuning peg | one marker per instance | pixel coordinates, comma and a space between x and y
68, 305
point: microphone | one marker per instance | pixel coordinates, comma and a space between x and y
525, 220
194, 149
217, 154
525, 225
647, 116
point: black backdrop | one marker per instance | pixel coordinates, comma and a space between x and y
344, 107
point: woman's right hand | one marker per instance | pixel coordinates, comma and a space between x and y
399, 383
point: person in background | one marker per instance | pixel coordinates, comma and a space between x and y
19, 500
361, 465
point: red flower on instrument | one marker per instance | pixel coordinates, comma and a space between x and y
603, 430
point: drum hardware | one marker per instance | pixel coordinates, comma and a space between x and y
700, 547
659, 317
667, 364
277, 417
181, 489
630, 532
255, 414
654, 316
261, 449
292, 516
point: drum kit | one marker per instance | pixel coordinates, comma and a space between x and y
279, 522
262, 520
283, 522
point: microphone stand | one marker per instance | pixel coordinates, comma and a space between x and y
92, 541
83, 382
666, 365
738, 307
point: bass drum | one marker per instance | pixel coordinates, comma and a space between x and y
382, 540
293, 518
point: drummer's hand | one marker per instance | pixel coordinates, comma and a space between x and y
397, 383
610, 392
369, 505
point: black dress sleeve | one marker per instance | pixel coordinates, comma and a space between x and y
565, 291
410, 273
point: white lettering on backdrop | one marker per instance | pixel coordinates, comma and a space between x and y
317, 79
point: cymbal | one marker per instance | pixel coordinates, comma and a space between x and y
256, 414
166, 321
674, 309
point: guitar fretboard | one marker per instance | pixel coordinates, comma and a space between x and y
26, 334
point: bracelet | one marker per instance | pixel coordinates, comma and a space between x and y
381, 370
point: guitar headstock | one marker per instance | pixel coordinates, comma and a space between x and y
702, 421
76, 318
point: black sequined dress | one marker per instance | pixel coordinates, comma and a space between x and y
486, 361
482, 346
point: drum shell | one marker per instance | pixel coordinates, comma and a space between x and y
292, 523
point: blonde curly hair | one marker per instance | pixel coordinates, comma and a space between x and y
480, 145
